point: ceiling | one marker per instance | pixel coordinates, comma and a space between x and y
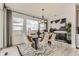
51, 9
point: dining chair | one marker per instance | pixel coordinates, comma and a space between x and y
51, 39
44, 41
27, 40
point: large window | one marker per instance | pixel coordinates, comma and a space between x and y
31, 25
42, 26
23, 25
17, 28
17, 23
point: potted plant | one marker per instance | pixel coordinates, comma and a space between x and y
68, 29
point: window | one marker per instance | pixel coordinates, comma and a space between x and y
17, 23
21, 25
31, 25
42, 26
17, 28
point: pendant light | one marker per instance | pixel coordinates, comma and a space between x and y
43, 19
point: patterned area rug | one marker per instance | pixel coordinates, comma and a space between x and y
44, 51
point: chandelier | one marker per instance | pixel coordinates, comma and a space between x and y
43, 14
43, 19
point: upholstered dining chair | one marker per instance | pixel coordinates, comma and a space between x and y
27, 40
44, 40
51, 39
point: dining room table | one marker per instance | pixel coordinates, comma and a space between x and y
35, 40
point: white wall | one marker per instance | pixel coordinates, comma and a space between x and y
1, 27
72, 17
1, 6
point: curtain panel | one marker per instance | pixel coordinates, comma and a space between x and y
7, 30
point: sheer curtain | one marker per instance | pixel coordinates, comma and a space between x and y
18, 28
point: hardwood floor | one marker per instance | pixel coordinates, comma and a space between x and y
64, 50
